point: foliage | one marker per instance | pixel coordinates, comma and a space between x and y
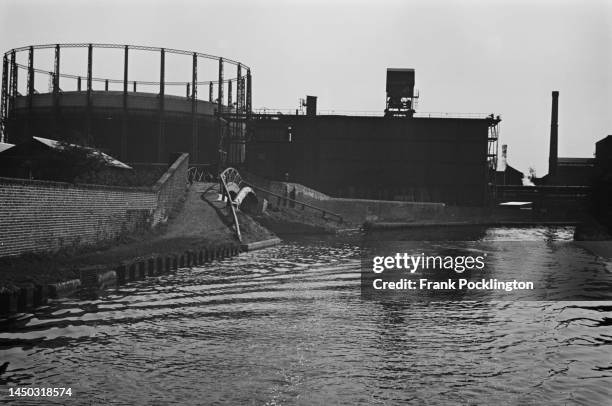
75, 164
65, 163
532, 174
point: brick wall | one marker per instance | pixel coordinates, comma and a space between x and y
38, 216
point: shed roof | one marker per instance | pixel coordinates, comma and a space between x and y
5, 145
110, 161
604, 140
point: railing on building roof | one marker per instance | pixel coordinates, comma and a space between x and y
365, 113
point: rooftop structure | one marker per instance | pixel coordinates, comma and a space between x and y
59, 146
42, 158
4, 146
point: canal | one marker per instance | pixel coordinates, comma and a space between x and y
288, 325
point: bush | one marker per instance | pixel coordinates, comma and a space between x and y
75, 164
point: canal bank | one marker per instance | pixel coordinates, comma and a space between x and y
199, 231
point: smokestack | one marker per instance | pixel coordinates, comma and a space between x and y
554, 136
504, 160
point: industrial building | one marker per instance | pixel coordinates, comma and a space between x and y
564, 171
506, 175
411, 159
603, 156
135, 119
398, 156
601, 202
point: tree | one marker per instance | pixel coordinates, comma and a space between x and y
532, 174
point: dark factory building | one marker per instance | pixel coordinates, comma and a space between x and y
564, 171
574, 171
603, 156
412, 159
602, 182
509, 177
506, 175
395, 157
570, 171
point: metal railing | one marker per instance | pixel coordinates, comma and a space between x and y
325, 213
232, 204
251, 180
366, 113
201, 173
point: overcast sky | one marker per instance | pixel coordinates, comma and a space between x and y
502, 57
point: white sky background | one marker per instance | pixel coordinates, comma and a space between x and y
503, 57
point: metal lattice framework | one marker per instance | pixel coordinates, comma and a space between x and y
492, 153
4, 96
238, 85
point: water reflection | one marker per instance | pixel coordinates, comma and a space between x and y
288, 326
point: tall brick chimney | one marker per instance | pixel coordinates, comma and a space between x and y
554, 135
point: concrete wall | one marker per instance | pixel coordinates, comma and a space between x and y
297, 191
39, 216
357, 211
353, 211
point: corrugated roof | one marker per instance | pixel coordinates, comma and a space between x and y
110, 161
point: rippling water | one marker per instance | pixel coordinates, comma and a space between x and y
287, 325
